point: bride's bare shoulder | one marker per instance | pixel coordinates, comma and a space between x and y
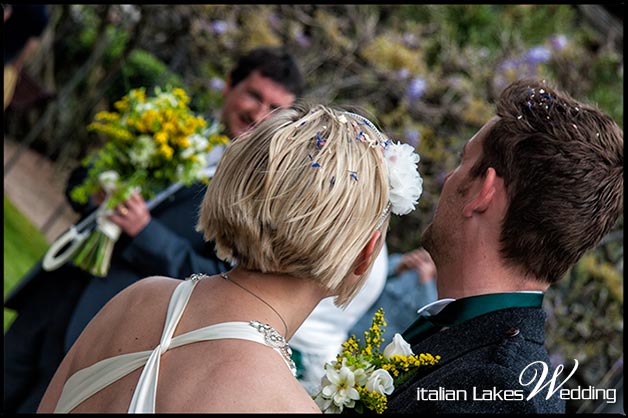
245, 377
146, 288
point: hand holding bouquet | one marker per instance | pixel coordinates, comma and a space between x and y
153, 143
362, 375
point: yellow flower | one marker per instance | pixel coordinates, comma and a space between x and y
201, 122
218, 140
180, 94
107, 116
167, 151
182, 141
169, 127
149, 118
123, 104
373, 400
161, 138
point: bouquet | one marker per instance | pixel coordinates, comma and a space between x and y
153, 143
362, 375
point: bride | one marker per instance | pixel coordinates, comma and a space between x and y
301, 206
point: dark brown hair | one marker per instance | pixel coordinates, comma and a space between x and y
272, 62
562, 165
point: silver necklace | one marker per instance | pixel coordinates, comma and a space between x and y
226, 277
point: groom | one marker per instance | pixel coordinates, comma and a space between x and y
538, 185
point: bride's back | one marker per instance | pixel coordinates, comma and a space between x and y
206, 376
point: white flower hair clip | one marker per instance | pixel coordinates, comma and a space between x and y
405, 182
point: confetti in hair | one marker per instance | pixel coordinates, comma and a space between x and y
320, 141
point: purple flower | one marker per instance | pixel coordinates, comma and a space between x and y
410, 40
537, 55
413, 137
302, 40
559, 42
508, 65
218, 27
416, 88
403, 73
216, 83
556, 359
440, 178
274, 20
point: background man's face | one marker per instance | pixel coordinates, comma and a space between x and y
251, 101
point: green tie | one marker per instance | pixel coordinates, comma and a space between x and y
463, 309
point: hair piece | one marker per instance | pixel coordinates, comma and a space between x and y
298, 195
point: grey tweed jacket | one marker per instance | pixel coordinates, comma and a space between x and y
481, 360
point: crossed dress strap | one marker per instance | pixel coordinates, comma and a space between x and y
88, 381
146, 388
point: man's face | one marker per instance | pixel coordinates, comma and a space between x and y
251, 101
444, 236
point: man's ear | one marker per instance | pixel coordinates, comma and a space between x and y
367, 254
483, 199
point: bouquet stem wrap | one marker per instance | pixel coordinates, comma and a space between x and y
94, 255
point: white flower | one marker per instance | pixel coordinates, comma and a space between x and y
360, 376
397, 347
198, 142
143, 107
338, 386
326, 405
406, 184
380, 381
109, 180
143, 151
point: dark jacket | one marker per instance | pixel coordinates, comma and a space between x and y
482, 359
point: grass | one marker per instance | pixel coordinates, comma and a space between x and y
24, 245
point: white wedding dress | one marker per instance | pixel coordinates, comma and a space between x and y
86, 382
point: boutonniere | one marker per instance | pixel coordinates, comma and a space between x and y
363, 375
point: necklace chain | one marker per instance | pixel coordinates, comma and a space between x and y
226, 277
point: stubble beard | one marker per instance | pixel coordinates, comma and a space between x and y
427, 239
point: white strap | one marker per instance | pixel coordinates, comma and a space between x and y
146, 390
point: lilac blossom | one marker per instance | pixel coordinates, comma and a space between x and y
412, 137
416, 88
440, 178
537, 55
558, 42
216, 83
403, 73
410, 40
218, 27
274, 20
302, 40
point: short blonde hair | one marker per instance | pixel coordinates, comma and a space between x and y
301, 194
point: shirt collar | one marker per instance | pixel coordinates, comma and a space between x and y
433, 308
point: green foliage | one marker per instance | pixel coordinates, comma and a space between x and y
24, 245
142, 69
586, 321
